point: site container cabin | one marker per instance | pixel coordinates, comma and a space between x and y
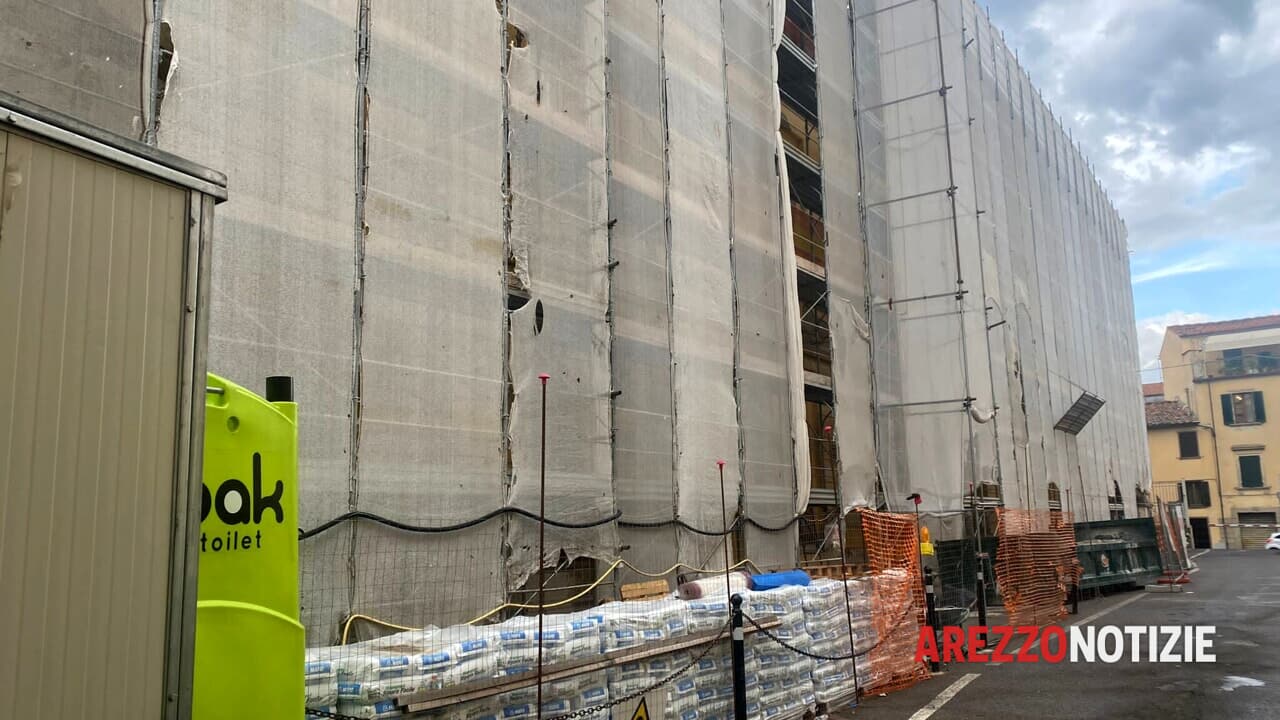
103, 294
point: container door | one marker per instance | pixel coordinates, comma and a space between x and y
91, 309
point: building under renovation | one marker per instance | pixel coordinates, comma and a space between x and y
847, 249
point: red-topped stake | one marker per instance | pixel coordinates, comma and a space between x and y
724, 521
544, 378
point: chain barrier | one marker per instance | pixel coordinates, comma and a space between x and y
760, 628
583, 712
834, 658
613, 702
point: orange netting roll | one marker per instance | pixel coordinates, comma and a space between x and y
1036, 564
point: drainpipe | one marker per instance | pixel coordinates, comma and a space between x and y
1217, 468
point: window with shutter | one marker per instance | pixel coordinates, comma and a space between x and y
1250, 471
1243, 408
1197, 493
1188, 444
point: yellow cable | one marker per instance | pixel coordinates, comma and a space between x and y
677, 566
346, 627
559, 603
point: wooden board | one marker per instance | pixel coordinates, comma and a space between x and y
645, 590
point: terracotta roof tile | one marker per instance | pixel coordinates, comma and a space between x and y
1226, 326
1169, 413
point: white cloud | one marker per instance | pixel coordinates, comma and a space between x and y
1167, 97
1204, 262
1151, 337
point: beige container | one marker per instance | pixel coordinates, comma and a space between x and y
103, 283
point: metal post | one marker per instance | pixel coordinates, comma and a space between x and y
739, 659
1075, 598
844, 568
916, 499
982, 593
542, 533
931, 613
724, 522
981, 580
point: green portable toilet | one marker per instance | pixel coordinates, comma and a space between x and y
249, 643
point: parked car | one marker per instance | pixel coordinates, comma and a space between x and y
1273, 542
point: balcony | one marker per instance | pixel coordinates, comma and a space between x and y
816, 340
800, 134
797, 38
809, 238
1238, 363
822, 463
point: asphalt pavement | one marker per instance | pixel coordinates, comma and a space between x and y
1236, 591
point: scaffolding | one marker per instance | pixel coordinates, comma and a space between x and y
844, 248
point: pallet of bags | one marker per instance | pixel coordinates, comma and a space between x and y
632, 624
320, 679
829, 618
708, 614
565, 638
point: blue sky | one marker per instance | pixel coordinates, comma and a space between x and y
1177, 103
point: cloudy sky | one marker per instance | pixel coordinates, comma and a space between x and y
1177, 103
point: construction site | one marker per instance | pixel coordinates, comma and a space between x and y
599, 311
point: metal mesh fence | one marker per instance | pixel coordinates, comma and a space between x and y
956, 570
434, 655
600, 643
1036, 565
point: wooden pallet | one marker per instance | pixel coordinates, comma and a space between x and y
650, 590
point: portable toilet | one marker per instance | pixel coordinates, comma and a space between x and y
249, 643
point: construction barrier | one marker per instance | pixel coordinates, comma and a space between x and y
1171, 536
893, 553
1036, 566
672, 653
811, 645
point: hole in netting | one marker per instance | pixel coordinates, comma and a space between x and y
516, 37
165, 63
537, 318
516, 300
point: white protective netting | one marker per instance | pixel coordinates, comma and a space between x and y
998, 269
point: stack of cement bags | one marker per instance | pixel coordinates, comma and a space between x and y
827, 620
364, 679
785, 677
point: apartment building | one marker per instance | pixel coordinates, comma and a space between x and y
1212, 446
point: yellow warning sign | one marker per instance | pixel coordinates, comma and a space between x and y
642, 711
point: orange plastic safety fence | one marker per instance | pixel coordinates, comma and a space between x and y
1036, 564
893, 553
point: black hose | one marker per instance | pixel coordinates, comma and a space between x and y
406, 527
371, 517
